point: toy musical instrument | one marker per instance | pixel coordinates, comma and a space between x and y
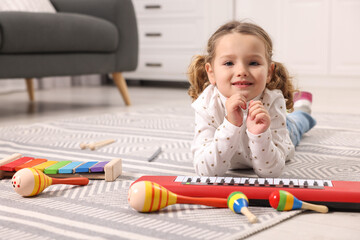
284, 201
30, 182
96, 145
108, 170
146, 196
238, 203
336, 195
100, 144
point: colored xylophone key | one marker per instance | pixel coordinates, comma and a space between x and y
30, 163
69, 169
10, 167
99, 167
84, 168
55, 167
44, 165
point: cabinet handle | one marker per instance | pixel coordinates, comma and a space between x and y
152, 6
153, 34
153, 64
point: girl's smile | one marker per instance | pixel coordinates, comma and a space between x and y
242, 84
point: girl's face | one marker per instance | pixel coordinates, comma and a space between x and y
239, 66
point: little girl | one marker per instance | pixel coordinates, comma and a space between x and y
241, 98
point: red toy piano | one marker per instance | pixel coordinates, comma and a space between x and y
336, 195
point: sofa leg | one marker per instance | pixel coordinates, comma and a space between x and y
30, 88
121, 85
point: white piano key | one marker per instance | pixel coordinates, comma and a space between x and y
310, 182
270, 181
285, 181
228, 180
261, 181
252, 181
187, 179
295, 182
237, 180
320, 183
179, 178
212, 179
277, 181
302, 182
203, 179
243, 180
328, 183
220, 180
195, 179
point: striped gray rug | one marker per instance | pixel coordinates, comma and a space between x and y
100, 210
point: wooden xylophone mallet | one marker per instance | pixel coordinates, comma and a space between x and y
96, 145
146, 196
30, 182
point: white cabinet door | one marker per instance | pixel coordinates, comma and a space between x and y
345, 36
304, 34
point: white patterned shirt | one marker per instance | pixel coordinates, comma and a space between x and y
219, 145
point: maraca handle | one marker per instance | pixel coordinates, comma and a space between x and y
316, 208
252, 218
71, 181
212, 202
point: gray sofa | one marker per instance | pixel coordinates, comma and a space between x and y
83, 37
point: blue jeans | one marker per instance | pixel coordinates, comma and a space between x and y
298, 123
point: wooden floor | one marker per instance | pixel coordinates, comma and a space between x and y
63, 103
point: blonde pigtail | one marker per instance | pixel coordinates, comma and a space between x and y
283, 81
197, 77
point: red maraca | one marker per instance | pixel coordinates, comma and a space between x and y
284, 201
146, 196
30, 182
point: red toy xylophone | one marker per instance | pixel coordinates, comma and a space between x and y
108, 170
336, 195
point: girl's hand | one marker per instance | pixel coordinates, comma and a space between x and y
233, 107
258, 119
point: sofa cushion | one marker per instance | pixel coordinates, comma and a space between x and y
24, 32
27, 5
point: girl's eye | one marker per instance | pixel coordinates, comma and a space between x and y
228, 63
254, 63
